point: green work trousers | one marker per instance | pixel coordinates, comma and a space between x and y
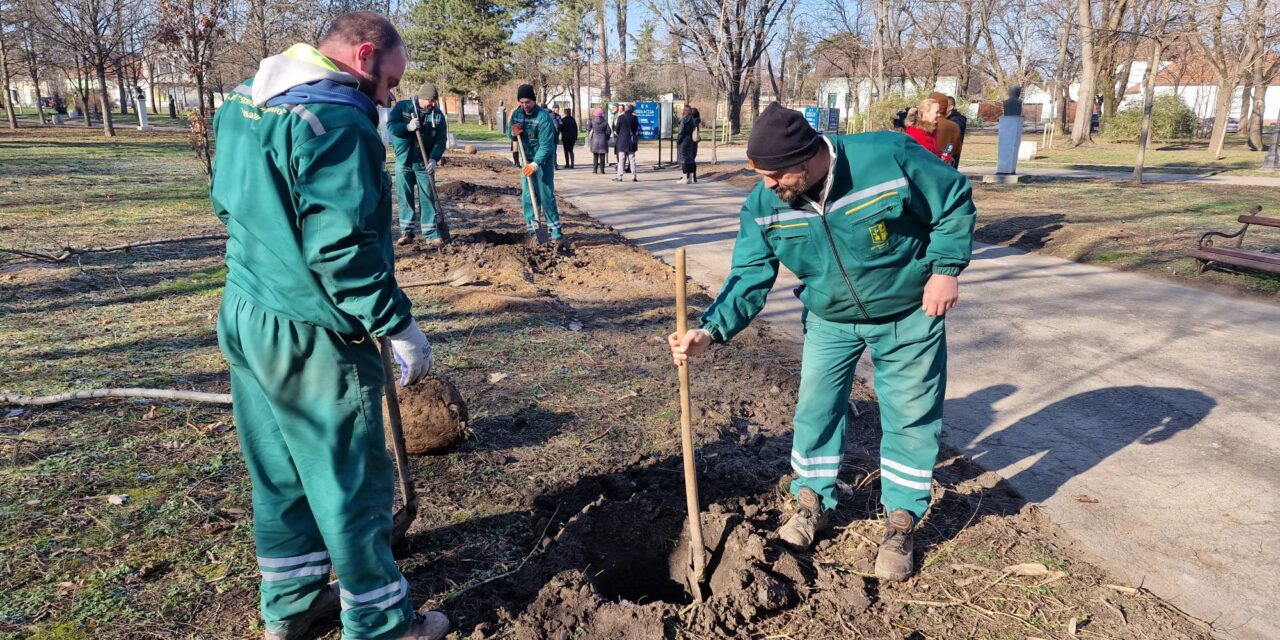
910, 359
415, 186
308, 410
544, 182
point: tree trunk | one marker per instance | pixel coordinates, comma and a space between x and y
120, 91
1148, 102
620, 7
1080, 131
735, 98
8, 93
1246, 116
966, 67
108, 127
602, 23
1222, 109
35, 82
200, 94
1258, 91
755, 92
151, 87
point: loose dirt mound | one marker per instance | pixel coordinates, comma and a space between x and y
434, 415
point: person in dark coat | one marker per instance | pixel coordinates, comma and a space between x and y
568, 136
687, 145
627, 128
598, 134
962, 122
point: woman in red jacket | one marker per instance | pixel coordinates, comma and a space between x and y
922, 124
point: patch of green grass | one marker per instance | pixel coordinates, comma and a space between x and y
476, 132
1105, 155
1146, 228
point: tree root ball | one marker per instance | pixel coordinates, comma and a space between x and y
469, 149
434, 415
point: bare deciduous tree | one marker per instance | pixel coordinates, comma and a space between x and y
1224, 31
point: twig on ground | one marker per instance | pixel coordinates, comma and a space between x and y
70, 252
157, 394
537, 544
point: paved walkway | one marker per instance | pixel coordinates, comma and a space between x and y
1156, 401
737, 154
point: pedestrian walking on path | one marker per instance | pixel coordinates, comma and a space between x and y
627, 128
568, 137
300, 183
950, 137
877, 231
410, 123
598, 134
533, 129
687, 146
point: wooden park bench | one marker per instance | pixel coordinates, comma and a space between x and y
1207, 254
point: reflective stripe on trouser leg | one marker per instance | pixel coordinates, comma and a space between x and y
325, 396
427, 204
910, 358
406, 194
547, 200
830, 357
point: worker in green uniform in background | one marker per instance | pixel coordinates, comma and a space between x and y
299, 181
877, 229
532, 128
409, 123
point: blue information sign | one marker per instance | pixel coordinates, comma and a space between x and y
811, 114
649, 116
833, 120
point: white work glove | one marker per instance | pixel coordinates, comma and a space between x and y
530, 169
413, 124
413, 353
431, 166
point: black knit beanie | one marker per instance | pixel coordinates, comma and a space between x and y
781, 138
525, 91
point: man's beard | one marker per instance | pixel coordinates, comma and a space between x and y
369, 86
791, 194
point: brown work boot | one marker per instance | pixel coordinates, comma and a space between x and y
405, 240
431, 625
895, 560
326, 605
804, 525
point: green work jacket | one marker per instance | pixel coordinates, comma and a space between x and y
894, 215
304, 194
538, 138
432, 126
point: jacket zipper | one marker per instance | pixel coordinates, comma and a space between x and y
831, 239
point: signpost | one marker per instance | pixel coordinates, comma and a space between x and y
833, 120
648, 115
812, 116
665, 117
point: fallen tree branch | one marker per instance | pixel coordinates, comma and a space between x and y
155, 394
71, 252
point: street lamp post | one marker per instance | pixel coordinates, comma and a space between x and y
1270, 164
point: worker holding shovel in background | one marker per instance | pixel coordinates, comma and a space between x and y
535, 134
299, 180
420, 131
878, 231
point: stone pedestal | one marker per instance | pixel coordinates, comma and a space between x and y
1008, 140
143, 123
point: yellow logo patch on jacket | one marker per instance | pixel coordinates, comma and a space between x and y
879, 236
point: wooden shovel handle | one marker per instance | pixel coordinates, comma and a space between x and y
696, 547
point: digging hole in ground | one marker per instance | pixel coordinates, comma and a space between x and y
489, 236
627, 546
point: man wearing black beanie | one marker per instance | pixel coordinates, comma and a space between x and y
877, 229
532, 128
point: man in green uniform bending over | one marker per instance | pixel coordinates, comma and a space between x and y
409, 123
877, 229
532, 128
299, 182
